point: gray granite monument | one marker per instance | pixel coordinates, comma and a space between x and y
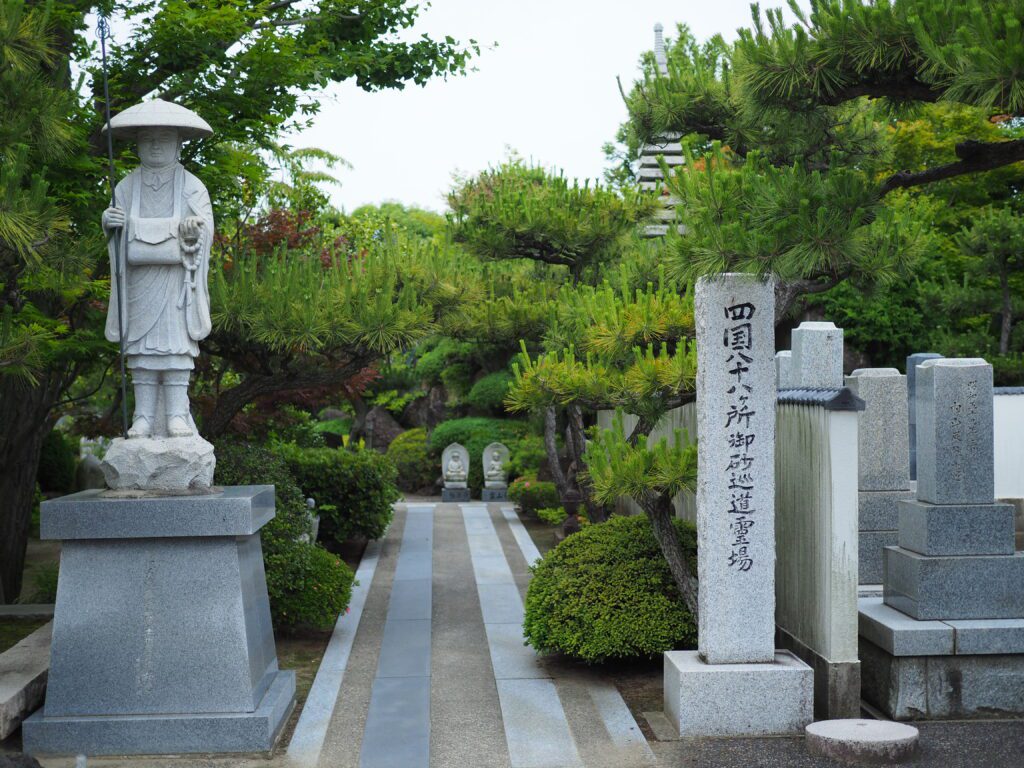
162, 639
736, 683
883, 476
495, 467
455, 468
783, 369
947, 639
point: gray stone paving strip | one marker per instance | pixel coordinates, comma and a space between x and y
588, 699
345, 732
397, 733
308, 738
522, 536
465, 716
536, 729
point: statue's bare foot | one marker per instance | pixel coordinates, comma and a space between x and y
178, 426
140, 427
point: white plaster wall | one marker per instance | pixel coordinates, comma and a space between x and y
816, 528
1008, 417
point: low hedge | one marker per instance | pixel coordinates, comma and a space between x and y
308, 586
417, 470
531, 494
607, 593
354, 489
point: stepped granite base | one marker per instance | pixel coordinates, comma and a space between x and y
162, 641
920, 670
494, 494
738, 699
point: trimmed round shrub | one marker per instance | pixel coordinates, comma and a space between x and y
552, 515
531, 494
475, 433
526, 456
607, 593
310, 587
354, 490
57, 459
307, 585
417, 470
488, 394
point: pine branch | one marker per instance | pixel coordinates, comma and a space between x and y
975, 157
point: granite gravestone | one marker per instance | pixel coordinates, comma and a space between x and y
817, 356
162, 639
495, 467
883, 476
955, 558
783, 369
736, 683
913, 361
455, 468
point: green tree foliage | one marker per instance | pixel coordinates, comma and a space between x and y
606, 593
521, 212
417, 468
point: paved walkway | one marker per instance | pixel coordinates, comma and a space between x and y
437, 673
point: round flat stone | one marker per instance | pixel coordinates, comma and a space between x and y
874, 742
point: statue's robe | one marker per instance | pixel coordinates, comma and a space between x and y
163, 318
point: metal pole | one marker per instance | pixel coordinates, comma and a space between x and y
103, 30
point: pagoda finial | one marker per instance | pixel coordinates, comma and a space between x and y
660, 56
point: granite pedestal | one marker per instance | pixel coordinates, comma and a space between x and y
162, 640
455, 494
494, 494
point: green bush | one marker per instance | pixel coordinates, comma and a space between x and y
475, 433
308, 586
57, 460
457, 379
44, 584
526, 456
417, 469
532, 494
488, 394
354, 489
552, 515
606, 593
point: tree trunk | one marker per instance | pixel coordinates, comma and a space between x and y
358, 428
577, 438
25, 420
551, 448
660, 512
1007, 312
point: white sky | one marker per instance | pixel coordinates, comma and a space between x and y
547, 91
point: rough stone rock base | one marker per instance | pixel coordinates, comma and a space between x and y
255, 731
870, 742
494, 494
159, 464
455, 494
738, 699
942, 687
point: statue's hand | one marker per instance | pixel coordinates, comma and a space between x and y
190, 228
113, 218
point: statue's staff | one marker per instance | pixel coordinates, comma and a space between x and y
103, 30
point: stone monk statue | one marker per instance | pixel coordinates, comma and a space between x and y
161, 229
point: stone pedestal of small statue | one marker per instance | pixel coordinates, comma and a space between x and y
495, 463
455, 467
162, 638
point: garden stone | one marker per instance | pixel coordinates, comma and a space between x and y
875, 742
23, 670
159, 464
817, 356
19, 761
427, 411
381, 428
955, 463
